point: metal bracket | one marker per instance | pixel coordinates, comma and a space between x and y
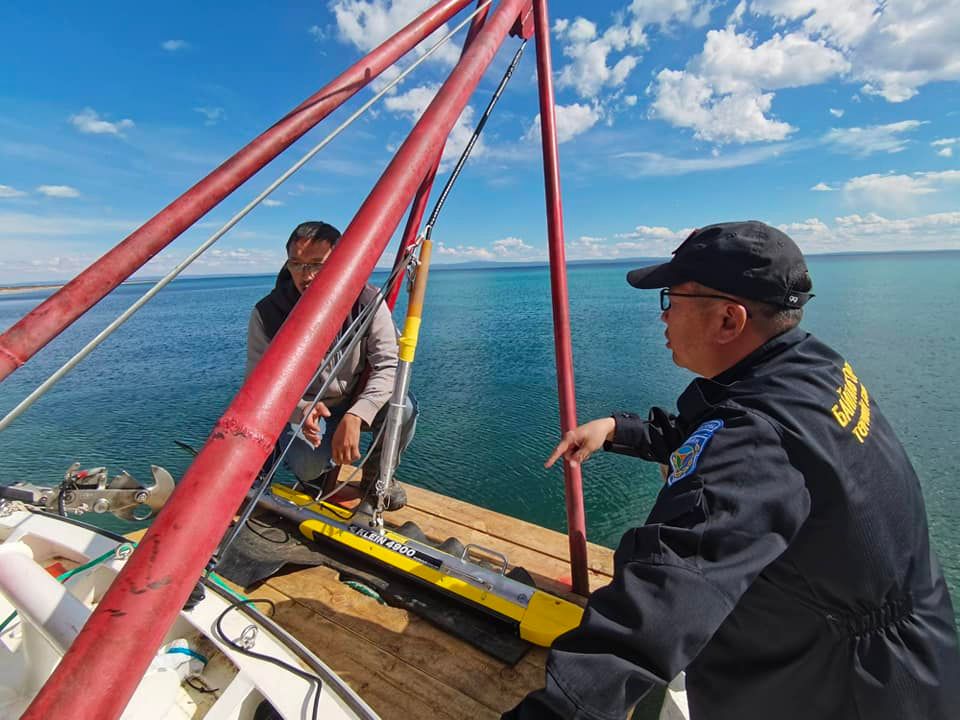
91, 491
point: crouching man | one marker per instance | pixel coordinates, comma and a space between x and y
331, 433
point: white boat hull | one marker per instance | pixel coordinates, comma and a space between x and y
50, 614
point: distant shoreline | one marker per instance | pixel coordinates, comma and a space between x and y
40, 287
487, 265
13, 289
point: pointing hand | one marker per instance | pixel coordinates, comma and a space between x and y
580, 443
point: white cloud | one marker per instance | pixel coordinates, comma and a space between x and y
218, 257
643, 163
367, 23
842, 23
572, 120
897, 191
508, 249
49, 266
512, 247
604, 60
587, 246
946, 146
213, 115
642, 241
14, 225
10, 192
836, 112
89, 121
317, 33
736, 17
723, 94
58, 191
865, 232
894, 48
668, 12
270, 202
688, 100
876, 233
822, 187
465, 252
174, 45
591, 68
414, 102
873, 139
910, 45
731, 63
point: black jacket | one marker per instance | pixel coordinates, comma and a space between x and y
786, 564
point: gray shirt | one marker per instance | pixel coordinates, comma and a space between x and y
378, 350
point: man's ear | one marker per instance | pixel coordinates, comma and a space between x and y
732, 324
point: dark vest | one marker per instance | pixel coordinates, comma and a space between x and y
276, 306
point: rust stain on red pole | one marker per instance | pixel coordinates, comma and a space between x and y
20, 342
131, 622
576, 518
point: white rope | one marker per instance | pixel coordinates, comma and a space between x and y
183, 265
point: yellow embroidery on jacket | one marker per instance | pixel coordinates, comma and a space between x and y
852, 397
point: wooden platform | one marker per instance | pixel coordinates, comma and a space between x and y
399, 663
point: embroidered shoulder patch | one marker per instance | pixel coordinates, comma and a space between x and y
684, 459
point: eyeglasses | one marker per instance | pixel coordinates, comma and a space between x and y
666, 294
301, 267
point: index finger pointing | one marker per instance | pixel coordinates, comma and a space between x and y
557, 452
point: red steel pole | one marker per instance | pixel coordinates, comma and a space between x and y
576, 520
423, 192
412, 227
125, 630
20, 342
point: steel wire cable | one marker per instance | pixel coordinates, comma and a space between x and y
47, 384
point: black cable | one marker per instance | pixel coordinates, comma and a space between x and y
309, 677
200, 688
473, 138
253, 523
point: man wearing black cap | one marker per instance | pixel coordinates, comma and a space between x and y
786, 564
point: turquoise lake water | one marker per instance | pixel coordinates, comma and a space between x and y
486, 382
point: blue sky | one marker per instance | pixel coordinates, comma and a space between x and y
838, 120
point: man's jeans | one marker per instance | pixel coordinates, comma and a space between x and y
308, 463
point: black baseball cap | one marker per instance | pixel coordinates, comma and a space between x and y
748, 259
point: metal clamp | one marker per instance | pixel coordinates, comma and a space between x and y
248, 638
123, 551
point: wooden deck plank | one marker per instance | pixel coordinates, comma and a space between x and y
412, 640
394, 688
505, 527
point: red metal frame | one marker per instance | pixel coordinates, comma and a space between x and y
122, 635
423, 192
20, 342
576, 518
